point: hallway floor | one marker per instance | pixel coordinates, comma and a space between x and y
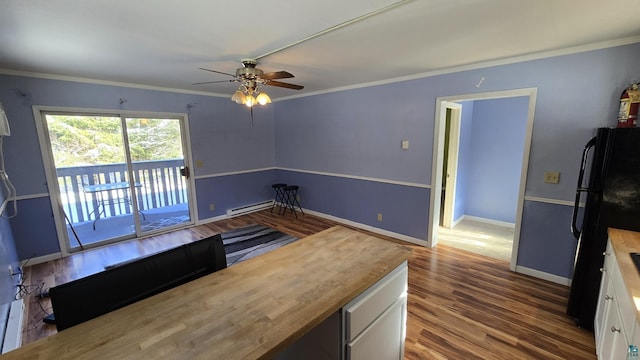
481, 238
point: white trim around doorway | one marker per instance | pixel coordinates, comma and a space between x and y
438, 158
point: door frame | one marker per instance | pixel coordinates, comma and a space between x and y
438, 155
50, 170
451, 176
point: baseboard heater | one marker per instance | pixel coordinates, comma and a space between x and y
249, 208
13, 332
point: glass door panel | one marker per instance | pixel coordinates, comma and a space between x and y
160, 175
92, 177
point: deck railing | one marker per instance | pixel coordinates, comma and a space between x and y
158, 184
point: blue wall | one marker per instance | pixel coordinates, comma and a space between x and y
229, 191
497, 144
221, 136
360, 200
343, 148
357, 133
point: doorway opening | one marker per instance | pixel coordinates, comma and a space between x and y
114, 176
481, 152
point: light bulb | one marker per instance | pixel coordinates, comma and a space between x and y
249, 101
263, 99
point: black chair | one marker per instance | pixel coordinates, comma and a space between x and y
279, 199
291, 200
125, 283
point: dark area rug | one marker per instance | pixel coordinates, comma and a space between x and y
252, 240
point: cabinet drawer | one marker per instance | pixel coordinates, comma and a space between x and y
622, 299
383, 339
365, 308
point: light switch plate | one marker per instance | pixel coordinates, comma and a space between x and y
405, 144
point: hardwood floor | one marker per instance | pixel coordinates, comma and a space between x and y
460, 305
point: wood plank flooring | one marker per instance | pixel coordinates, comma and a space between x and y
460, 305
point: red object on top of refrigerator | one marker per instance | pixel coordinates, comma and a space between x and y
629, 106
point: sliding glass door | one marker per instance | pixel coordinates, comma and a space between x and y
159, 171
117, 177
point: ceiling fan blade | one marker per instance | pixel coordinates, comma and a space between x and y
276, 75
284, 85
213, 82
218, 72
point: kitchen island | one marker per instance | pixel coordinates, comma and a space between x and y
252, 310
617, 316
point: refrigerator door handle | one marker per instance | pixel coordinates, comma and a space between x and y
581, 188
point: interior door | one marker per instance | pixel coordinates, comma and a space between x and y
450, 164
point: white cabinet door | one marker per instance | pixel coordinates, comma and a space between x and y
605, 296
383, 339
613, 343
604, 307
619, 345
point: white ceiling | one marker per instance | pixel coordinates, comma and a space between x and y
163, 43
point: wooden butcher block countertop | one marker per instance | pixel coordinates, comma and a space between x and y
251, 310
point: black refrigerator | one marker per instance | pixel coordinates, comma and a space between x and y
609, 186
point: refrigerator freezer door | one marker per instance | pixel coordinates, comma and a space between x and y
621, 193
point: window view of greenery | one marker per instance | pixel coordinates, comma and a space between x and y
95, 140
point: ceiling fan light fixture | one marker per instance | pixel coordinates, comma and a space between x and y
263, 99
238, 97
251, 81
249, 100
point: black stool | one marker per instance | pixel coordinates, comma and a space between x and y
279, 195
291, 199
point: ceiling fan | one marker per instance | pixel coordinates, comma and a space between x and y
251, 79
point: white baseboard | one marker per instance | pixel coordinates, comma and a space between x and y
211, 219
543, 275
488, 221
456, 222
368, 228
519, 269
342, 221
41, 259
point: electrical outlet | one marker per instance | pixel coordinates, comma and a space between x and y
212, 207
379, 216
10, 271
552, 177
199, 163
